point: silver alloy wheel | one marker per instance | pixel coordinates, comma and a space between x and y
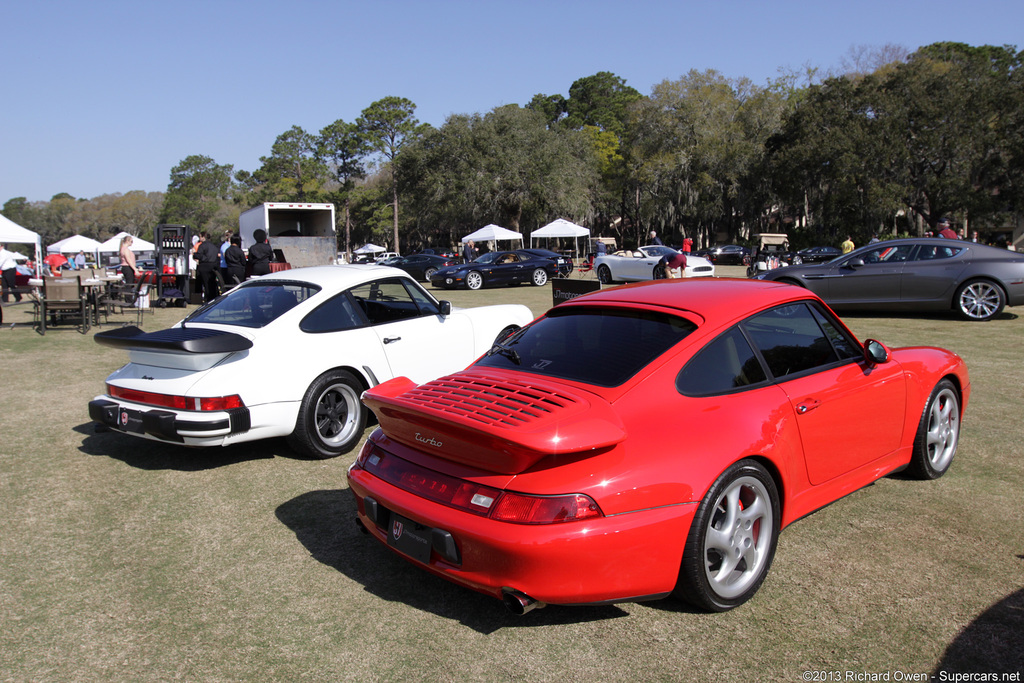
429, 273
738, 542
980, 300
943, 431
337, 414
540, 277
474, 280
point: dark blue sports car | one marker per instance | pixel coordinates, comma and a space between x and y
497, 268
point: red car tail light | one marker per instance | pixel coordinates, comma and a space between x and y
486, 501
520, 509
149, 398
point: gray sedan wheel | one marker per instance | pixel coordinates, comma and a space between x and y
979, 300
938, 433
474, 280
540, 277
604, 275
732, 539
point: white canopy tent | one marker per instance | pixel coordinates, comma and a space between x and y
73, 245
11, 232
561, 228
369, 248
493, 233
114, 243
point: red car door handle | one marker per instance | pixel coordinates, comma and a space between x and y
809, 404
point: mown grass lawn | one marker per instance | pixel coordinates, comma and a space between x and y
126, 560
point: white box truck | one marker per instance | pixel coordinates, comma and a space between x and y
303, 232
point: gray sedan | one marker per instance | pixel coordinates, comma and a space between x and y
927, 274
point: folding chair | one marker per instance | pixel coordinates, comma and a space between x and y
63, 299
586, 266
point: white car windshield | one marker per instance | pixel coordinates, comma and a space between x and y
254, 305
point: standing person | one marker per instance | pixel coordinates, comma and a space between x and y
687, 245
468, 252
224, 244
874, 238
260, 254
207, 263
128, 269
945, 230
601, 248
235, 258
80, 260
848, 245
654, 238
9, 269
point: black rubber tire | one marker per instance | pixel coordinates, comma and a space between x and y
746, 488
474, 280
979, 300
938, 433
604, 275
539, 277
331, 418
658, 273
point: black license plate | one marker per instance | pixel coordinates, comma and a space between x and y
129, 420
409, 538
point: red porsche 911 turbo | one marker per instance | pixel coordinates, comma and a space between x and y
648, 440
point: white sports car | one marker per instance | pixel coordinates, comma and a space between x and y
643, 264
289, 354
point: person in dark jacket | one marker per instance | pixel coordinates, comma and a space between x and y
235, 258
260, 254
207, 263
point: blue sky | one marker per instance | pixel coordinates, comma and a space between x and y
107, 96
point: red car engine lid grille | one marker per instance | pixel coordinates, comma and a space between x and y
490, 402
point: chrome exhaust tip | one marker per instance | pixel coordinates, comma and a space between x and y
519, 603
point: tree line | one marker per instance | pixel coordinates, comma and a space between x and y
889, 146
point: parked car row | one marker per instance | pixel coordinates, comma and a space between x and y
511, 452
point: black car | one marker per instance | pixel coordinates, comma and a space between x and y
819, 254
497, 268
925, 274
728, 254
420, 266
564, 264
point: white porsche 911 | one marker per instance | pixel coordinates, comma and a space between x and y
289, 354
644, 264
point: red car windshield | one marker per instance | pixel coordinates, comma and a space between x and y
600, 346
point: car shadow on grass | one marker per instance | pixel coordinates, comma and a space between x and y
991, 644
155, 455
324, 523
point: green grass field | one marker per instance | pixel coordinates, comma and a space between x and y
126, 560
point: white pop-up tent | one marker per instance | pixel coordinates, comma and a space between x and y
493, 233
73, 245
560, 228
11, 232
369, 248
114, 243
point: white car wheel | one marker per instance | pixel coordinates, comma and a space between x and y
331, 418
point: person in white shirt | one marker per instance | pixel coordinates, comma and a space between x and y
9, 269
